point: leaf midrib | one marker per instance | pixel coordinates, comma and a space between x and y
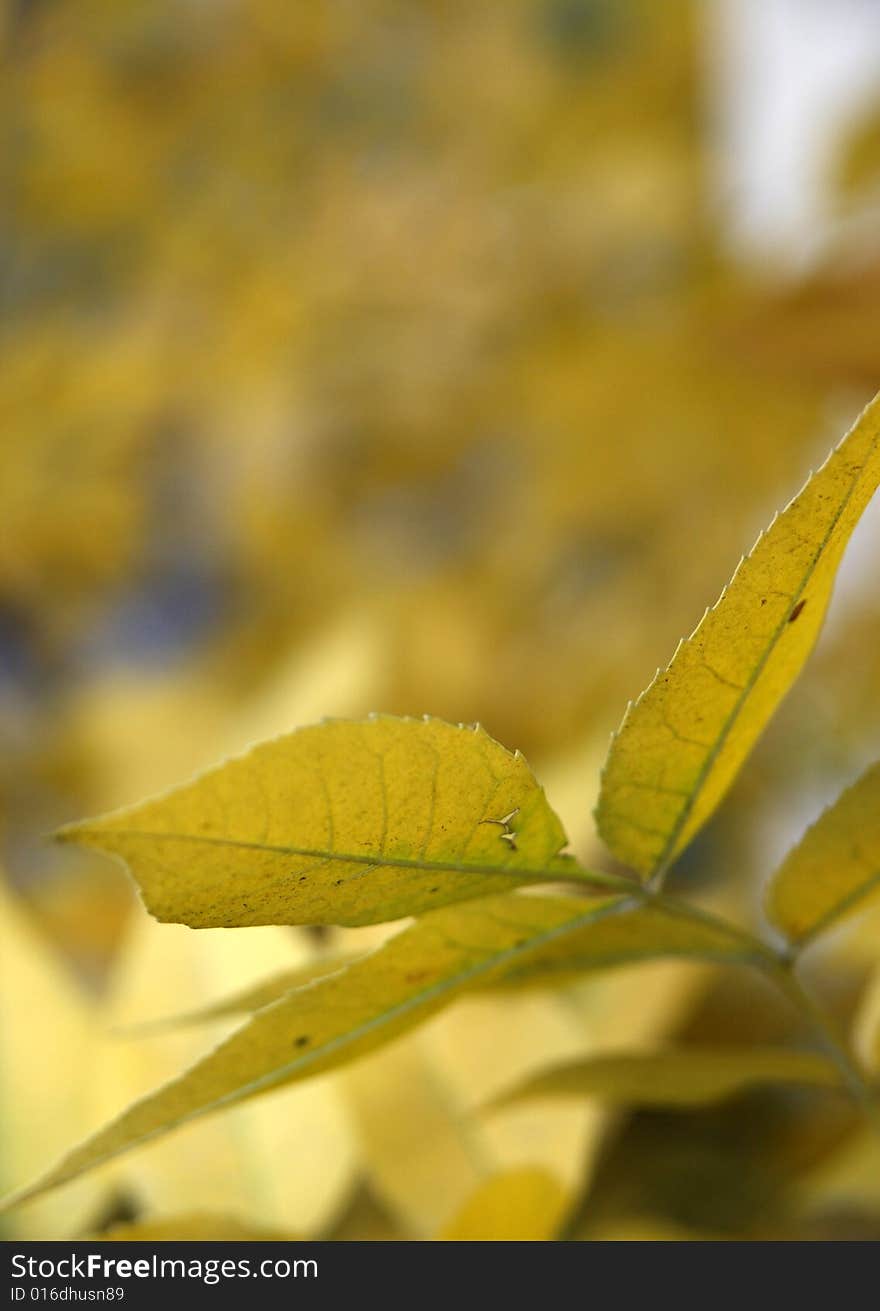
103, 839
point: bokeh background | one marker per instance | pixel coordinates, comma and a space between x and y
424, 357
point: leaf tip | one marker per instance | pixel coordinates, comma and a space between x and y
70, 832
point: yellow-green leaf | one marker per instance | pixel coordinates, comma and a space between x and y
682, 743
345, 1015
524, 1205
340, 823
834, 867
686, 1077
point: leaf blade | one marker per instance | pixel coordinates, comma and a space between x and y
833, 869
683, 1077
416, 973
343, 822
527, 1204
682, 743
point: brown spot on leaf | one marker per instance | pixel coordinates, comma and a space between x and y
797, 610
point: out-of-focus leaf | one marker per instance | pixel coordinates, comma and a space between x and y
641, 1229
834, 867
340, 823
426, 1144
340, 673
366, 1221
236, 1157
193, 1228
426, 1139
866, 1026
857, 167
847, 1178
687, 1077
48, 1046
422, 969
248, 1000
520, 1205
682, 743
47, 493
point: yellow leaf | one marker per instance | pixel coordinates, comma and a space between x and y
687, 1077
420, 970
519, 1205
834, 867
192, 1228
340, 823
682, 743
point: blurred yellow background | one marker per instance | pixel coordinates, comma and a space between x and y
424, 357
